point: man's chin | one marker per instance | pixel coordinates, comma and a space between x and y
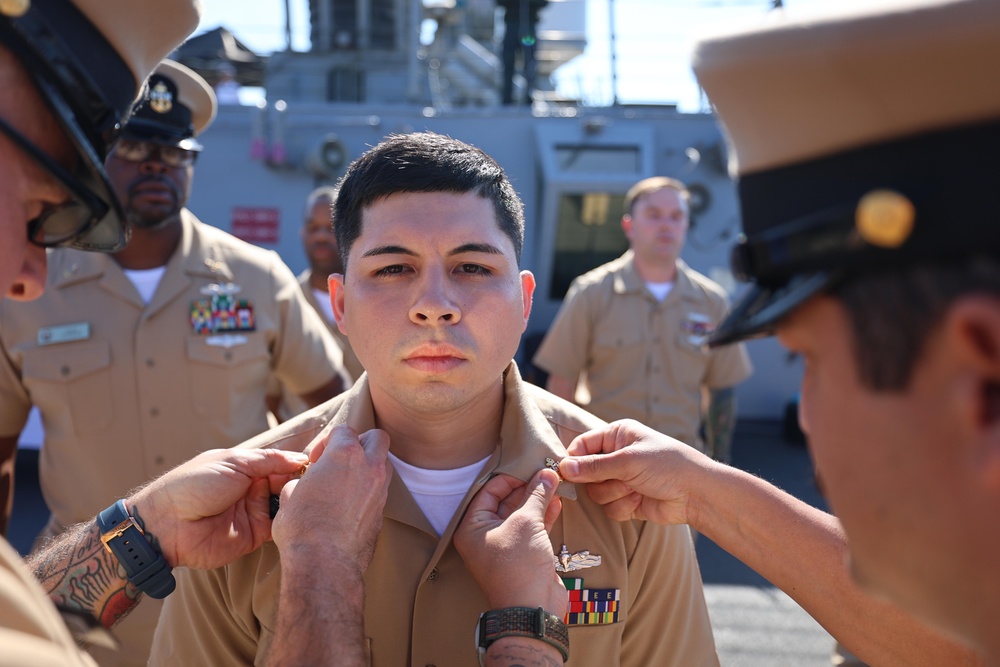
152, 220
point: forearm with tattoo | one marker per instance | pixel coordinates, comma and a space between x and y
78, 572
720, 423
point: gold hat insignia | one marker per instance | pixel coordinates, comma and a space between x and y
14, 8
160, 98
885, 218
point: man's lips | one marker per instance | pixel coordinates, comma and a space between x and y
153, 189
434, 358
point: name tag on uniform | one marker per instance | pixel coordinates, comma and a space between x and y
63, 333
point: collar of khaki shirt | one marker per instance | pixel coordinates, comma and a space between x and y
627, 279
196, 255
526, 437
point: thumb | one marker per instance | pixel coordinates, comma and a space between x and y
583, 469
543, 490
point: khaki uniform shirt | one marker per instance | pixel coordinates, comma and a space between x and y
128, 390
643, 359
421, 605
31, 631
351, 362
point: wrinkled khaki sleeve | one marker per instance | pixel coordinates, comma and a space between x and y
31, 631
14, 400
565, 350
730, 364
203, 624
668, 623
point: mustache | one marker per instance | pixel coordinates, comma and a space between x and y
152, 179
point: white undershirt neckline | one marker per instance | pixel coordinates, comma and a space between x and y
325, 307
146, 281
438, 493
660, 290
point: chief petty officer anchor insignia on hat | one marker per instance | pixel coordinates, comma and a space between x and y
161, 100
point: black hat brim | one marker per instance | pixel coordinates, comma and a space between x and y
759, 311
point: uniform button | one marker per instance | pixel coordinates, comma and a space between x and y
158, 460
154, 412
433, 575
228, 356
656, 399
657, 340
64, 370
150, 363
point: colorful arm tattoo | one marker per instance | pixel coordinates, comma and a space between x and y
79, 573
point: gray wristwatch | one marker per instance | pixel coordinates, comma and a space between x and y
521, 622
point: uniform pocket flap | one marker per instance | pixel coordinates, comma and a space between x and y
233, 353
66, 363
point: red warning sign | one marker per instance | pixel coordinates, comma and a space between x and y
256, 225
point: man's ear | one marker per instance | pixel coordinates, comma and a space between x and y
627, 225
527, 290
335, 283
972, 331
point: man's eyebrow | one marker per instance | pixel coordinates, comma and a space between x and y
389, 250
485, 248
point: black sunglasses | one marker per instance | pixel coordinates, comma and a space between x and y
61, 223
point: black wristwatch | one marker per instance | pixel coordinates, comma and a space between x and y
521, 622
146, 568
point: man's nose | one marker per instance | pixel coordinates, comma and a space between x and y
435, 302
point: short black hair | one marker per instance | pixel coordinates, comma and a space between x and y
894, 311
424, 162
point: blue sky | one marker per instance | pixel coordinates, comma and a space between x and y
653, 40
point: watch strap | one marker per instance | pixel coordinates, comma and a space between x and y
523, 622
146, 568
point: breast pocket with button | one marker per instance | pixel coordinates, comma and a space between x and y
618, 345
220, 374
73, 379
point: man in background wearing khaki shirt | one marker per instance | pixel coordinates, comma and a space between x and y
323, 253
430, 231
140, 360
635, 330
320, 245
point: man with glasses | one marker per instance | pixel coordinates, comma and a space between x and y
161, 350
69, 71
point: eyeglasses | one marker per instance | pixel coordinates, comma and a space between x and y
59, 224
140, 151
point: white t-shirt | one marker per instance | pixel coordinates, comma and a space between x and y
145, 280
438, 492
660, 290
325, 306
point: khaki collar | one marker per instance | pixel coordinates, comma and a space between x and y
628, 281
526, 437
197, 256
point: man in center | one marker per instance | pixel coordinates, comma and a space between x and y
433, 302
